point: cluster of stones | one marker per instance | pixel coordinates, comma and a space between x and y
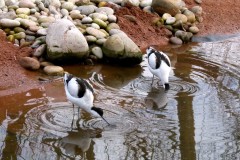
65, 30
178, 19
62, 31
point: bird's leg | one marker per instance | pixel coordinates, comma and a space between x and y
73, 118
78, 112
152, 80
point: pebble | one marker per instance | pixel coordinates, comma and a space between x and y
29, 63
176, 40
26, 4
40, 50
100, 22
9, 23
97, 51
112, 18
53, 70
42, 32
170, 20
86, 9
87, 20
106, 10
20, 35
101, 41
181, 17
95, 32
25, 11
194, 29
91, 39
165, 16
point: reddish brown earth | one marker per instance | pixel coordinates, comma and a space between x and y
221, 17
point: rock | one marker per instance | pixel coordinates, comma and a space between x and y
112, 18
25, 11
45, 63
101, 41
87, 9
190, 16
119, 48
75, 14
194, 29
145, 3
198, 1
87, 20
166, 6
95, 25
68, 6
112, 26
115, 31
53, 70
2, 4
9, 15
107, 10
46, 19
181, 17
101, 16
184, 36
95, 32
165, 16
133, 2
170, 20
97, 51
100, 22
90, 39
30, 38
197, 10
175, 40
18, 29
20, 35
26, 4
65, 41
27, 23
9, 23
29, 63
42, 32
40, 50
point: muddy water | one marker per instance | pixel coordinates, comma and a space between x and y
198, 118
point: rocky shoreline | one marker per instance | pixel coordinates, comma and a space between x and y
63, 31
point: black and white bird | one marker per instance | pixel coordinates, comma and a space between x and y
159, 64
80, 93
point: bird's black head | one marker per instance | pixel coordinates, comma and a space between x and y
166, 86
98, 110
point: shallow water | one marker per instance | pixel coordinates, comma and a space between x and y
198, 118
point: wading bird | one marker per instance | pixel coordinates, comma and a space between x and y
159, 65
80, 93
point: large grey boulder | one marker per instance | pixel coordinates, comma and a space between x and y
65, 41
119, 48
167, 6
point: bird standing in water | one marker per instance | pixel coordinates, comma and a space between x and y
80, 93
159, 64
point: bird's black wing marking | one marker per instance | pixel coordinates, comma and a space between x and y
69, 77
158, 59
88, 86
162, 57
82, 87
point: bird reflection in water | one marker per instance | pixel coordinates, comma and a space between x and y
156, 100
77, 143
